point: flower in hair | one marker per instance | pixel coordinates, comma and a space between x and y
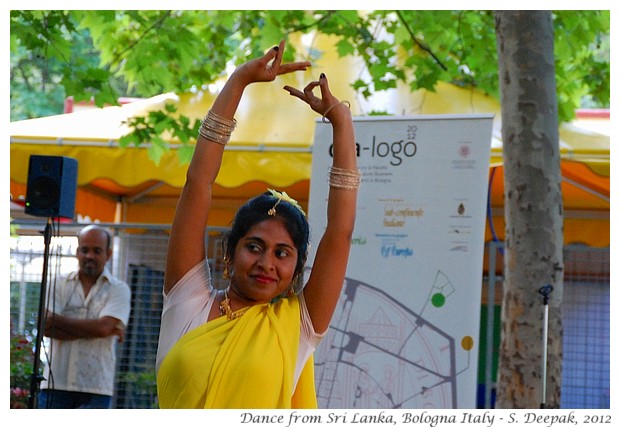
283, 196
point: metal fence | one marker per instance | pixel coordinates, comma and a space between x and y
139, 258
586, 324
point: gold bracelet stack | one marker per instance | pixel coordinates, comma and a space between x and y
341, 178
217, 128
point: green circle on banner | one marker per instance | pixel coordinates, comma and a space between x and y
438, 300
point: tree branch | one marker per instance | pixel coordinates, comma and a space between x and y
314, 24
417, 42
135, 42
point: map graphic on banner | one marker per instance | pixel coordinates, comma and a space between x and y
405, 332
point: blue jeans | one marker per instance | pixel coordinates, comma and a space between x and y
63, 399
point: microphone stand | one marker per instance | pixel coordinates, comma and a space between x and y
545, 291
36, 378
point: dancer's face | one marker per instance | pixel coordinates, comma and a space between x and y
264, 262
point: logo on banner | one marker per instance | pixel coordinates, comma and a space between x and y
394, 151
464, 161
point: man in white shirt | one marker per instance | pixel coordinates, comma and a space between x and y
86, 316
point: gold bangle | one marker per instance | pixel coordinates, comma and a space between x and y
231, 123
331, 107
216, 122
216, 128
214, 136
341, 178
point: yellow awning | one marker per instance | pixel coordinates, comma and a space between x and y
262, 153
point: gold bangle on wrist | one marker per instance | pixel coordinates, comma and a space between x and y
341, 178
324, 118
216, 128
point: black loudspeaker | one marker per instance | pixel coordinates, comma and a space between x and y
51, 188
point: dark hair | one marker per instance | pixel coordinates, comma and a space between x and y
256, 211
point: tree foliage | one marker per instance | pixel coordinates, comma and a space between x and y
105, 54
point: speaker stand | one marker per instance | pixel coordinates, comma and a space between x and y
36, 378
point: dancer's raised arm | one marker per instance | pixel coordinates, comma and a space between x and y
329, 268
186, 245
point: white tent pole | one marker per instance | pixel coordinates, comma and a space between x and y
585, 189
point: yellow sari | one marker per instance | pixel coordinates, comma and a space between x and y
248, 362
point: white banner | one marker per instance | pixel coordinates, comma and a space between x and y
405, 333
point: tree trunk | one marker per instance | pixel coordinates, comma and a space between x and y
533, 212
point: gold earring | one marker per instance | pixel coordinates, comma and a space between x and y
295, 284
226, 272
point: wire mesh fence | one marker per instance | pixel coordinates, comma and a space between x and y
586, 304
139, 259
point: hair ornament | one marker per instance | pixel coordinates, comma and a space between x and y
283, 196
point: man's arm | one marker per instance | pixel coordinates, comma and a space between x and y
68, 328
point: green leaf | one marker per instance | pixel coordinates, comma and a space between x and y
127, 140
185, 154
157, 149
344, 48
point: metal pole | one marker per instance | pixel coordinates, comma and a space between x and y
36, 378
488, 379
545, 291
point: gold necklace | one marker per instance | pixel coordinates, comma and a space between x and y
226, 310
